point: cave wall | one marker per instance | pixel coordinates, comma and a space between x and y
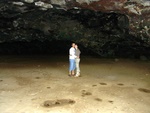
105, 31
138, 12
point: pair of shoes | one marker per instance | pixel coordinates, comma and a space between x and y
69, 75
76, 75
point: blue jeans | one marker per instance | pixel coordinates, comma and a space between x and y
72, 65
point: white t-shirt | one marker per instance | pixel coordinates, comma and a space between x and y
72, 53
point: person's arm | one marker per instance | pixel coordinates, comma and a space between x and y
72, 53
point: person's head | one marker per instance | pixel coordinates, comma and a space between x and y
73, 44
76, 46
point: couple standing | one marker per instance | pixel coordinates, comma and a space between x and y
74, 60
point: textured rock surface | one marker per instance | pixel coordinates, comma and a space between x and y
138, 12
114, 28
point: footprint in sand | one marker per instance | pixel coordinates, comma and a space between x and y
120, 84
144, 90
94, 85
98, 99
55, 103
102, 83
110, 101
37, 78
85, 93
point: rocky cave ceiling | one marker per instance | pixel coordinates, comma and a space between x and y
97, 24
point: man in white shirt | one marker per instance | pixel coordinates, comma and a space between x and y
72, 60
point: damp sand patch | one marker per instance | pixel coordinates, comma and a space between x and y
23, 81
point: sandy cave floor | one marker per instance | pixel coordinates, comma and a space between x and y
40, 84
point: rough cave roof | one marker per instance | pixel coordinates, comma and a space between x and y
123, 6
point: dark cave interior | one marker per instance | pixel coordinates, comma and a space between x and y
36, 47
30, 30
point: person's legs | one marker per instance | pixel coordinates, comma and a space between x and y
74, 66
77, 67
71, 66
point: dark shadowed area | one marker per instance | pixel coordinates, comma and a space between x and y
48, 27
